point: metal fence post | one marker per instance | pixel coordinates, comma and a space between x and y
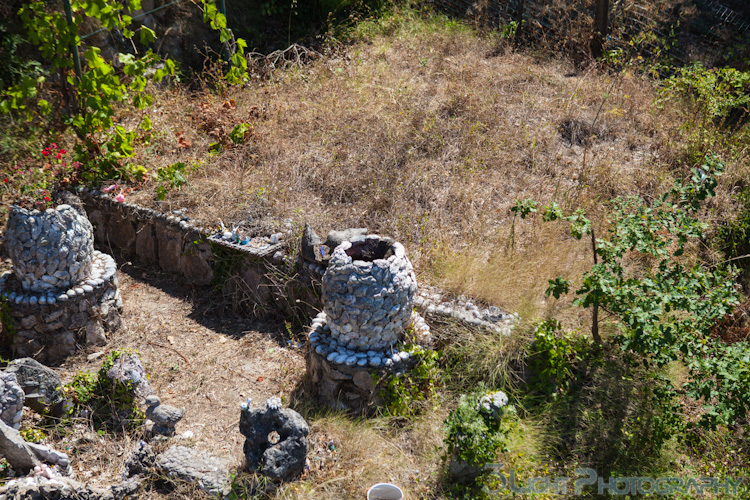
73, 46
601, 21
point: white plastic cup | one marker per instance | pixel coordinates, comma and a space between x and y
385, 491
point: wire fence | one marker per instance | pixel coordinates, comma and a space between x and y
702, 29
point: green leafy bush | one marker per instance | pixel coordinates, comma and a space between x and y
554, 358
476, 434
85, 95
237, 135
107, 403
668, 306
171, 177
13, 66
712, 99
410, 394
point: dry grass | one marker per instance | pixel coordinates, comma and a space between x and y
423, 130
427, 132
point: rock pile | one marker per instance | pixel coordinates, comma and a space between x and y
11, 400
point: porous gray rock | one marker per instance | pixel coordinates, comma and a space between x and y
164, 417
284, 458
185, 464
128, 368
335, 238
40, 384
11, 400
13, 448
55, 488
140, 461
493, 404
368, 292
311, 244
50, 250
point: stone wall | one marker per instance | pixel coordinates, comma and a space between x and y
184, 247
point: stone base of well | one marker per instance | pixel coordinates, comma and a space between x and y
48, 326
349, 380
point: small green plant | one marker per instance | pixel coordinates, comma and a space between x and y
510, 29
234, 48
554, 358
33, 435
170, 177
475, 431
108, 403
238, 133
408, 395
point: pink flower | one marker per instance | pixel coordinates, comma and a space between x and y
120, 198
109, 188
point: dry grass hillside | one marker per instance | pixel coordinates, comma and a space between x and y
429, 132
422, 128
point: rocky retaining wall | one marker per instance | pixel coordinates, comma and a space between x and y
181, 246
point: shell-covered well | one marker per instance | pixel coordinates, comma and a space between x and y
50, 250
368, 292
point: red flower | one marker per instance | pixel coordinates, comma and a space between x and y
5, 180
47, 198
59, 156
62, 151
45, 152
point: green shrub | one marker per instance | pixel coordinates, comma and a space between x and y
667, 307
411, 393
712, 101
474, 433
555, 355
86, 94
107, 403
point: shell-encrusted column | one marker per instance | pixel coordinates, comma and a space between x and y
368, 293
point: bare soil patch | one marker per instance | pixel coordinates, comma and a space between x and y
198, 357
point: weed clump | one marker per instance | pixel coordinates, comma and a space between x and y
476, 431
107, 403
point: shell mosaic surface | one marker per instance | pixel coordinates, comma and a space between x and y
393, 358
368, 301
50, 250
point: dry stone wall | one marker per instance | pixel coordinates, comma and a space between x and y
187, 248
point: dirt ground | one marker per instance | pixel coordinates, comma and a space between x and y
198, 356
